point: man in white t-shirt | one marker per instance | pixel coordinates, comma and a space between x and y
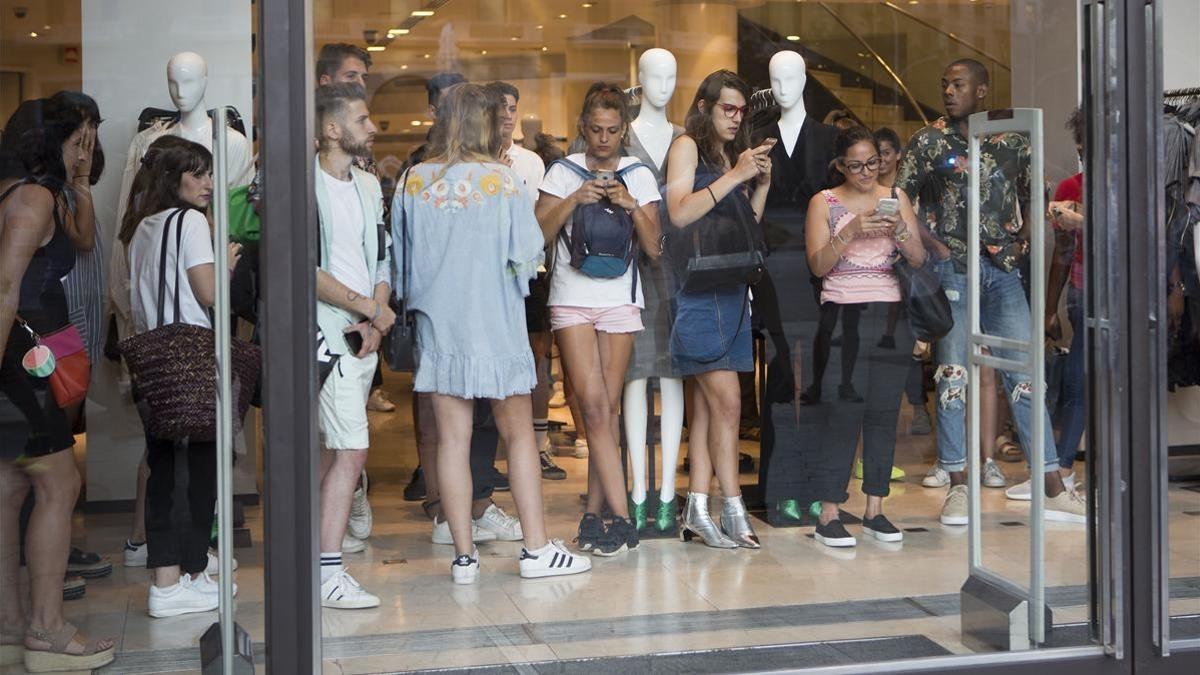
353, 317
531, 169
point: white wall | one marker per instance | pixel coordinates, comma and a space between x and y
126, 46
1181, 43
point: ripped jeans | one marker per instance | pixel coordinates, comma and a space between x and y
1004, 312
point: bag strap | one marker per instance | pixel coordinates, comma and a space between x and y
176, 215
405, 261
13, 188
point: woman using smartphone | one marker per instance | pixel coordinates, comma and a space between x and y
853, 233
594, 318
713, 177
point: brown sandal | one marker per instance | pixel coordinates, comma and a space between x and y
56, 657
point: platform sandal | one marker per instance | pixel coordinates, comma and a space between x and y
12, 648
56, 658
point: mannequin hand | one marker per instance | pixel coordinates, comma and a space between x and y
747, 163
589, 193
619, 195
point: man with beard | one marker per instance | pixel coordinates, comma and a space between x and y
352, 315
936, 161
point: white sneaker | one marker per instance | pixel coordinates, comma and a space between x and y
352, 544
135, 555
552, 560
361, 518
441, 533
955, 509
1068, 507
185, 597
341, 591
213, 569
581, 449
1021, 491
993, 477
206, 583
936, 478
465, 568
504, 526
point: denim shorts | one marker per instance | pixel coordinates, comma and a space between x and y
712, 332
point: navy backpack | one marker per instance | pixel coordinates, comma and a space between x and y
602, 239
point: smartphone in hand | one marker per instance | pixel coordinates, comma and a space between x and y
769, 142
888, 207
606, 175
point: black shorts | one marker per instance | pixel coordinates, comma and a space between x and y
537, 314
31, 423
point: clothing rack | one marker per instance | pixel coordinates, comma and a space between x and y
1181, 95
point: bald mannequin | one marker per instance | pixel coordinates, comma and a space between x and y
789, 74
187, 85
656, 74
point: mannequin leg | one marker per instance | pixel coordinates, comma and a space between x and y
636, 420
671, 433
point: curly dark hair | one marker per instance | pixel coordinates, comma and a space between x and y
32, 144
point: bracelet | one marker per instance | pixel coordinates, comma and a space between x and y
902, 236
378, 311
839, 237
711, 194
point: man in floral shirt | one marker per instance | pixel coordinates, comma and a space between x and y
935, 165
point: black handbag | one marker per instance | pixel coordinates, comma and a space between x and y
928, 307
401, 348
724, 250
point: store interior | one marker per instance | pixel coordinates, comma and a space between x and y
793, 603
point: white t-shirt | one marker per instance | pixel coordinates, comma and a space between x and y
195, 248
528, 166
570, 287
347, 263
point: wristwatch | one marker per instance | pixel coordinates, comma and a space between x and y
902, 237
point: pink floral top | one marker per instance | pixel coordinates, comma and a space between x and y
864, 271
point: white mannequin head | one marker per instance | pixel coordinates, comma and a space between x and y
656, 73
788, 77
187, 79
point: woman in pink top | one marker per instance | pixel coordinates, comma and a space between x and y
852, 248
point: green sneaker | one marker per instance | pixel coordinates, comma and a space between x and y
666, 518
789, 509
638, 515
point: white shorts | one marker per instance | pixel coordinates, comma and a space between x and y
342, 409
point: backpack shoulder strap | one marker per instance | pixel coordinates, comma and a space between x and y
582, 172
636, 165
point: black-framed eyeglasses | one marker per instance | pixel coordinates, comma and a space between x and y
731, 110
857, 167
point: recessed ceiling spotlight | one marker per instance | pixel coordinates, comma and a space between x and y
398, 31
415, 123
426, 56
794, 38
33, 35
376, 48
483, 52
562, 16
422, 12
404, 66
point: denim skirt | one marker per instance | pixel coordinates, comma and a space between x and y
712, 331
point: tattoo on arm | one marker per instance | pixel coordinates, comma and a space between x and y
351, 296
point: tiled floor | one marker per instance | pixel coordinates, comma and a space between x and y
665, 597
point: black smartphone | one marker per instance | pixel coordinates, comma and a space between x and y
355, 342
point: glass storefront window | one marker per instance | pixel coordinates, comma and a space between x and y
743, 476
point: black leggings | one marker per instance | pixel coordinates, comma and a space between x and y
180, 496
821, 345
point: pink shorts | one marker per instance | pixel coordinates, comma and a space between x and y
620, 319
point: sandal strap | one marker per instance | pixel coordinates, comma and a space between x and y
59, 639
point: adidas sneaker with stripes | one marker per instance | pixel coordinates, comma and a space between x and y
552, 560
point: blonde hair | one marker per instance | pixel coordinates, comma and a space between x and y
466, 127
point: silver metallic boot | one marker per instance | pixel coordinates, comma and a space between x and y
698, 522
735, 523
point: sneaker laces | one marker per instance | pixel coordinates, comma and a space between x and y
347, 580
500, 516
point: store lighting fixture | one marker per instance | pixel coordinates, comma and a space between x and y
794, 38
426, 123
415, 123
46, 27
514, 38
422, 12
398, 31
33, 35
483, 52
586, 5
545, 49
540, 26
376, 48
404, 67
426, 56
562, 16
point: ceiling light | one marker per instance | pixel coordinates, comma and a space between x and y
422, 12
484, 52
586, 5
545, 49
46, 27
514, 38
794, 38
415, 123
562, 16
404, 67
427, 123
426, 56
540, 26
914, 2
398, 31
33, 35
376, 48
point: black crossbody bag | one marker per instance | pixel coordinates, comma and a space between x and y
401, 351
